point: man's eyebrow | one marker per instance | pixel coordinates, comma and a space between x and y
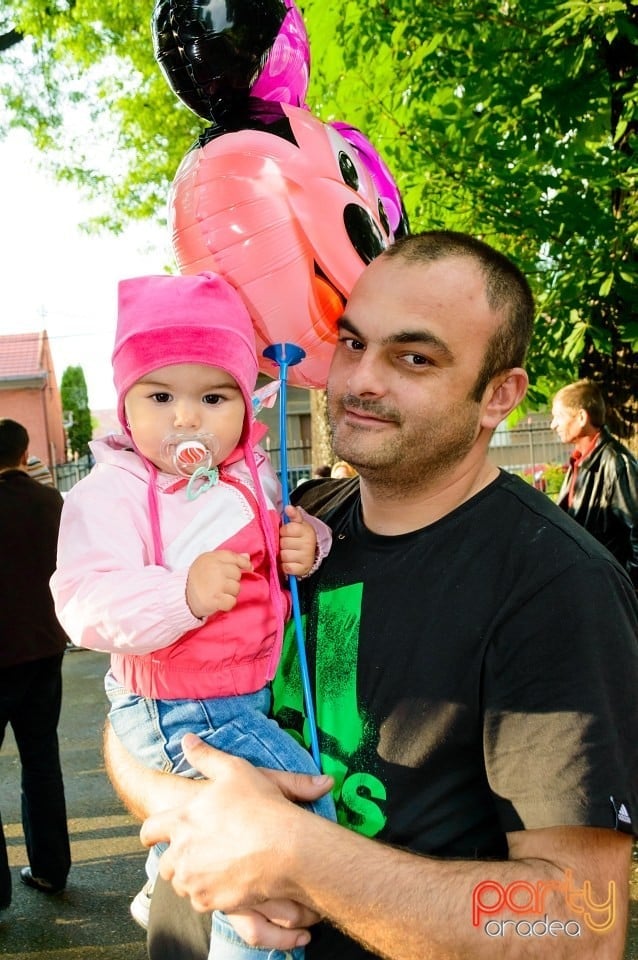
420, 336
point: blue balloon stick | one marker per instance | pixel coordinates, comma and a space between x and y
288, 355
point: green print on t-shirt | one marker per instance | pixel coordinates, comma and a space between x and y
348, 738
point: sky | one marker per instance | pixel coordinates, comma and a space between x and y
55, 277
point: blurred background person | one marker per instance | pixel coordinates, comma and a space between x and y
38, 470
600, 489
342, 470
321, 472
31, 653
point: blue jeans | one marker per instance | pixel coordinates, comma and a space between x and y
226, 944
152, 731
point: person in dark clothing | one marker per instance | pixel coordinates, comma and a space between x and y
600, 489
31, 653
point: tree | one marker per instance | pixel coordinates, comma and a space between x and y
514, 121
75, 401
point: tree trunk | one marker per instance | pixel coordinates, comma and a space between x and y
320, 430
616, 373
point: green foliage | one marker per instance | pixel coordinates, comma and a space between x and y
550, 480
75, 400
553, 475
513, 121
96, 104
516, 121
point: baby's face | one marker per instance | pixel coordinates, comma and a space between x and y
184, 398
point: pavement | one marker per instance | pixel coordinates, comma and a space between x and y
91, 917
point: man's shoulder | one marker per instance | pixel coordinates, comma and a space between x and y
543, 529
26, 490
322, 497
44, 493
612, 448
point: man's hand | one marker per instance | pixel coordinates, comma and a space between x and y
222, 842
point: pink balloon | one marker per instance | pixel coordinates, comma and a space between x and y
287, 212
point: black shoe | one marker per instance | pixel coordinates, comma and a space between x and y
38, 883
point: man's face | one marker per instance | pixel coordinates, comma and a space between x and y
409, 351
568, 422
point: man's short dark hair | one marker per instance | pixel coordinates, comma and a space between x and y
506, 289
14, 442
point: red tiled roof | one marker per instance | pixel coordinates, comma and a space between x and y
21, 355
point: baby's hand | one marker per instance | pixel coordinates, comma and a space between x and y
297, 544
213, 581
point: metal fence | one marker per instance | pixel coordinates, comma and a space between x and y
299, 467
531, 451
299, 457
66, 475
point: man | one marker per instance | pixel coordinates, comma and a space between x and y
479, 725
31, 654
600, 490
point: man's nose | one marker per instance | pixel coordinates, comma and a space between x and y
367, 375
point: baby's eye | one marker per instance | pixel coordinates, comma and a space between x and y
161, 397
213, 398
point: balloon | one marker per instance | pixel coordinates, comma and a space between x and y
286, 71
380, 173
285, 210
214, 53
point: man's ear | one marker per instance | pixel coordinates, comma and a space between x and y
502, 395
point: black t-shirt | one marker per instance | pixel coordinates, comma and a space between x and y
471, 678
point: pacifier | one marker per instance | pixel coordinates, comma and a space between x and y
189, 453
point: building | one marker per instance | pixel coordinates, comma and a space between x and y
29, 393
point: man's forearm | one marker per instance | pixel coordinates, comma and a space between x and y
141, 790
241, 842
405, 907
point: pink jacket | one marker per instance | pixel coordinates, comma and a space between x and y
109, 596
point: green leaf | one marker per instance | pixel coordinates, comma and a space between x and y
606, 285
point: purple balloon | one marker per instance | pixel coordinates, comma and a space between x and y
285, 74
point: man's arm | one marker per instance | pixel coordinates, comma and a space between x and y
143, 791
240, 842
